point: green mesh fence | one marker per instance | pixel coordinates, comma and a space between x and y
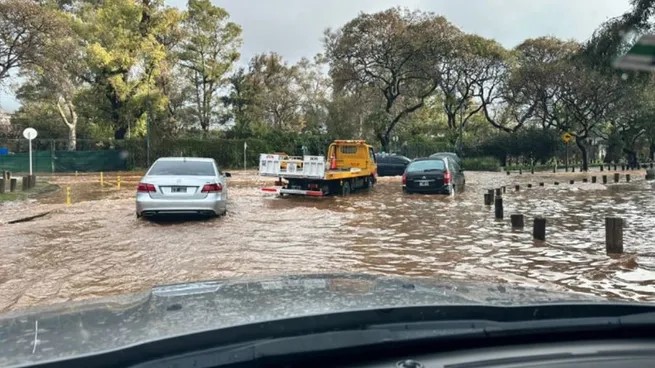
65, 161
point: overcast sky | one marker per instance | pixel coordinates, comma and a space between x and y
294, 28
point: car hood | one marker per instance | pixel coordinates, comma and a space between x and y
73, 329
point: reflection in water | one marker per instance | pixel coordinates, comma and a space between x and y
97, 246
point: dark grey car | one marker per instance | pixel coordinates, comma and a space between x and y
391, 164
433, 175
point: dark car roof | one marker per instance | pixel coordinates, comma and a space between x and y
428, 159
446, 154
385, 155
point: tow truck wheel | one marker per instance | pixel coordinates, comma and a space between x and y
345, 188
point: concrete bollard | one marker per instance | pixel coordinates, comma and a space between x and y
584, 180
517, 187
572, 168
517, 221
613, 235
7, 175
593, 179
504, 189
487, 199
539, 228
571, 181
541, 184
499, 191
25, 183
556, 183
32, 181
650, 174
2, 185
627, 178
604, 179
529, 185
615, 167
491, 194
498, 207
616, 177
13, 183
622, 167
601, 168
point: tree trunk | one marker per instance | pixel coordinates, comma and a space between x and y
70, 120
384, 142
583, 151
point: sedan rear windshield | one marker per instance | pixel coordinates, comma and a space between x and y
199, 168
427, 165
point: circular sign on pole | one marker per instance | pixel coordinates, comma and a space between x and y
29, 133
566, 137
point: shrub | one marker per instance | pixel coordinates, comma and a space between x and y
486, 163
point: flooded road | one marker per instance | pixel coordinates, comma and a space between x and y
97, 247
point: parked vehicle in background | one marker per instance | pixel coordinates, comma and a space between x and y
350, 165
391, 164
451, 155
433, 175
181, 185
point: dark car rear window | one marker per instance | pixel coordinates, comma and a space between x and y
426, 165
199, 168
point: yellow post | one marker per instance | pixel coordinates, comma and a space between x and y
102, 179
68, 196
118, 182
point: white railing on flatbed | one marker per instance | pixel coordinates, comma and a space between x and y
311, 167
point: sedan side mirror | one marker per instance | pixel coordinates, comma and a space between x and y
227, 175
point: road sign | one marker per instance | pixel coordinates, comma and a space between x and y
640, 57
566, 137
29, 134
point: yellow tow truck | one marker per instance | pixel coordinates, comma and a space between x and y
349, 165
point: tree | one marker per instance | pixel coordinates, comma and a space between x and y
207, 55
56, 79
395, 52
519, 89
124, 42
473, 70
26, 33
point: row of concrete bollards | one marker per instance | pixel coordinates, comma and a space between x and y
613, 225
27, 182
602, 168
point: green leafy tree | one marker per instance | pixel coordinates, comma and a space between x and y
207, 55
124, 42
396, 53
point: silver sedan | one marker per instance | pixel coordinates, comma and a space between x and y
180, 185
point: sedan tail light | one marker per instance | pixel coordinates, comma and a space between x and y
212, 188
145, 188
404, 178
447, 177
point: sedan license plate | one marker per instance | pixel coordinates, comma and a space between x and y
423, 183
178, 189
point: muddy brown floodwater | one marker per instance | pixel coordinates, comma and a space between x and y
97, 247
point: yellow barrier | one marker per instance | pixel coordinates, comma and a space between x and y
118, 182
102, 179
68, 196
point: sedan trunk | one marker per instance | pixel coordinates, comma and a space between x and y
177, 187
